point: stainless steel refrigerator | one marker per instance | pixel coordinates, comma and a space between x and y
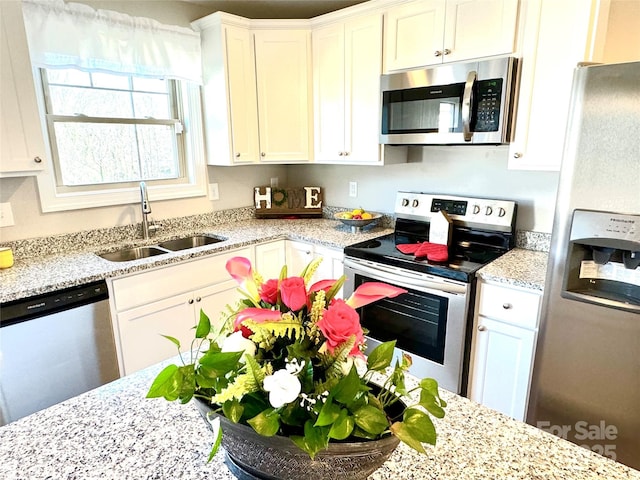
586, 374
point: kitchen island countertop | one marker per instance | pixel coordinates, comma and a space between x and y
114, 432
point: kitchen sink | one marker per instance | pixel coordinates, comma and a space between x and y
190, 242
133, 253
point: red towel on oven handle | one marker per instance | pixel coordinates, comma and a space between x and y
432, 251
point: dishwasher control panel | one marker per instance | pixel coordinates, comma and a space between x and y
37, 306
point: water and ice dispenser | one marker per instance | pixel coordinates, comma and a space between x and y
603, 260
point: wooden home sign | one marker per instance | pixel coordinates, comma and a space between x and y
287, 202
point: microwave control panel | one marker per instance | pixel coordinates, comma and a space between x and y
488, 100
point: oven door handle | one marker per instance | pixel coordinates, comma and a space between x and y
407, 279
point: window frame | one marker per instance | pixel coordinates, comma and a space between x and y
190, 149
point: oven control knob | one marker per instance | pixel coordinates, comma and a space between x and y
488, 211
405, 202
501, 212
476, 209
415, 203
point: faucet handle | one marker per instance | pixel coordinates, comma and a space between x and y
154, 226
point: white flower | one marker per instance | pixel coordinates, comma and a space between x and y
283, 387
237, 343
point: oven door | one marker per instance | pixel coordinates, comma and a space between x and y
428, 322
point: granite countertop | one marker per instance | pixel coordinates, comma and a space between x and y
518, 267
113, 432
48, 272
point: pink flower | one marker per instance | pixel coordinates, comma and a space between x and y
258, 315
321, 285
338, 324
269, 291
293, 293
372, 291
239, 268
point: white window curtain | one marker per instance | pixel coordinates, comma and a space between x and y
74, 35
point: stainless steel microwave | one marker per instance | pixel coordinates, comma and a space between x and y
454, 104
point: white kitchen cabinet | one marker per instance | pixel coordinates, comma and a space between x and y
22, 149
548, 63
430, 32
257, 90
270, 257
503, 347
167, 301
347, 63
299, 254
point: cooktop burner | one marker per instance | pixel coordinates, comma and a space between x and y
482, 230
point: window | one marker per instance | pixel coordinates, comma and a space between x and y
112, 129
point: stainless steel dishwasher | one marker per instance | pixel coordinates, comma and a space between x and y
53, 347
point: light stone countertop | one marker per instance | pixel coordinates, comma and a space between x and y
518, 267
113, 432
34, 275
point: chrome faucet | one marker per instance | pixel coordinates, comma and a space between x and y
146, 210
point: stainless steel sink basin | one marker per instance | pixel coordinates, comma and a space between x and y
190, 242
133, 253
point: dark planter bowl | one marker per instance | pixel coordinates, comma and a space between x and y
253, 456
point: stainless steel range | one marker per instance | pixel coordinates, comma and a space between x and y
431, 322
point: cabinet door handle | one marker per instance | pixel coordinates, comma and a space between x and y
262, 154
238, 155
190, 302
517, 155
446, 51
37, 160
198, 299
438, 53
482, 328
507, 306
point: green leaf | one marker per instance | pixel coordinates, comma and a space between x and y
419, 425
348, 387
335, 288
204, 325
381, 356
400, 430
173, 339
233, 410
431, 386
314, 440
429, 402
217, 433
167, 384
343, 426
220, 363
266, 423
371, 419
328, 414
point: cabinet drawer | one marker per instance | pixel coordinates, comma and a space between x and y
153, 285
511, 305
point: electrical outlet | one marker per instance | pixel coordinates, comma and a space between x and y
6, 215
214, 194
353, 189
274, 182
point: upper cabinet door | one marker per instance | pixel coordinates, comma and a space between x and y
21, 139
431, 32
363, 66
243, 103
478, 28
284, 94
329, 92
414, 35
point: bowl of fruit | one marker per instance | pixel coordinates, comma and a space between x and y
357, 218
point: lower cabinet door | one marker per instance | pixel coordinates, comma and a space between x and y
502, 367
140, 331
214, 299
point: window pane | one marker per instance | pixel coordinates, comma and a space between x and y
98, 153
151, 105
69, 77
105, 80
150, 85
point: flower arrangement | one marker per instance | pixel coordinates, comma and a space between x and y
288, 359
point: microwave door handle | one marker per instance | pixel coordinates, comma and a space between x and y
467, 100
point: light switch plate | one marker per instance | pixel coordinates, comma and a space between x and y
6, 215
214, 194
353, 189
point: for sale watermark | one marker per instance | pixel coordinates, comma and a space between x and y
583, 431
